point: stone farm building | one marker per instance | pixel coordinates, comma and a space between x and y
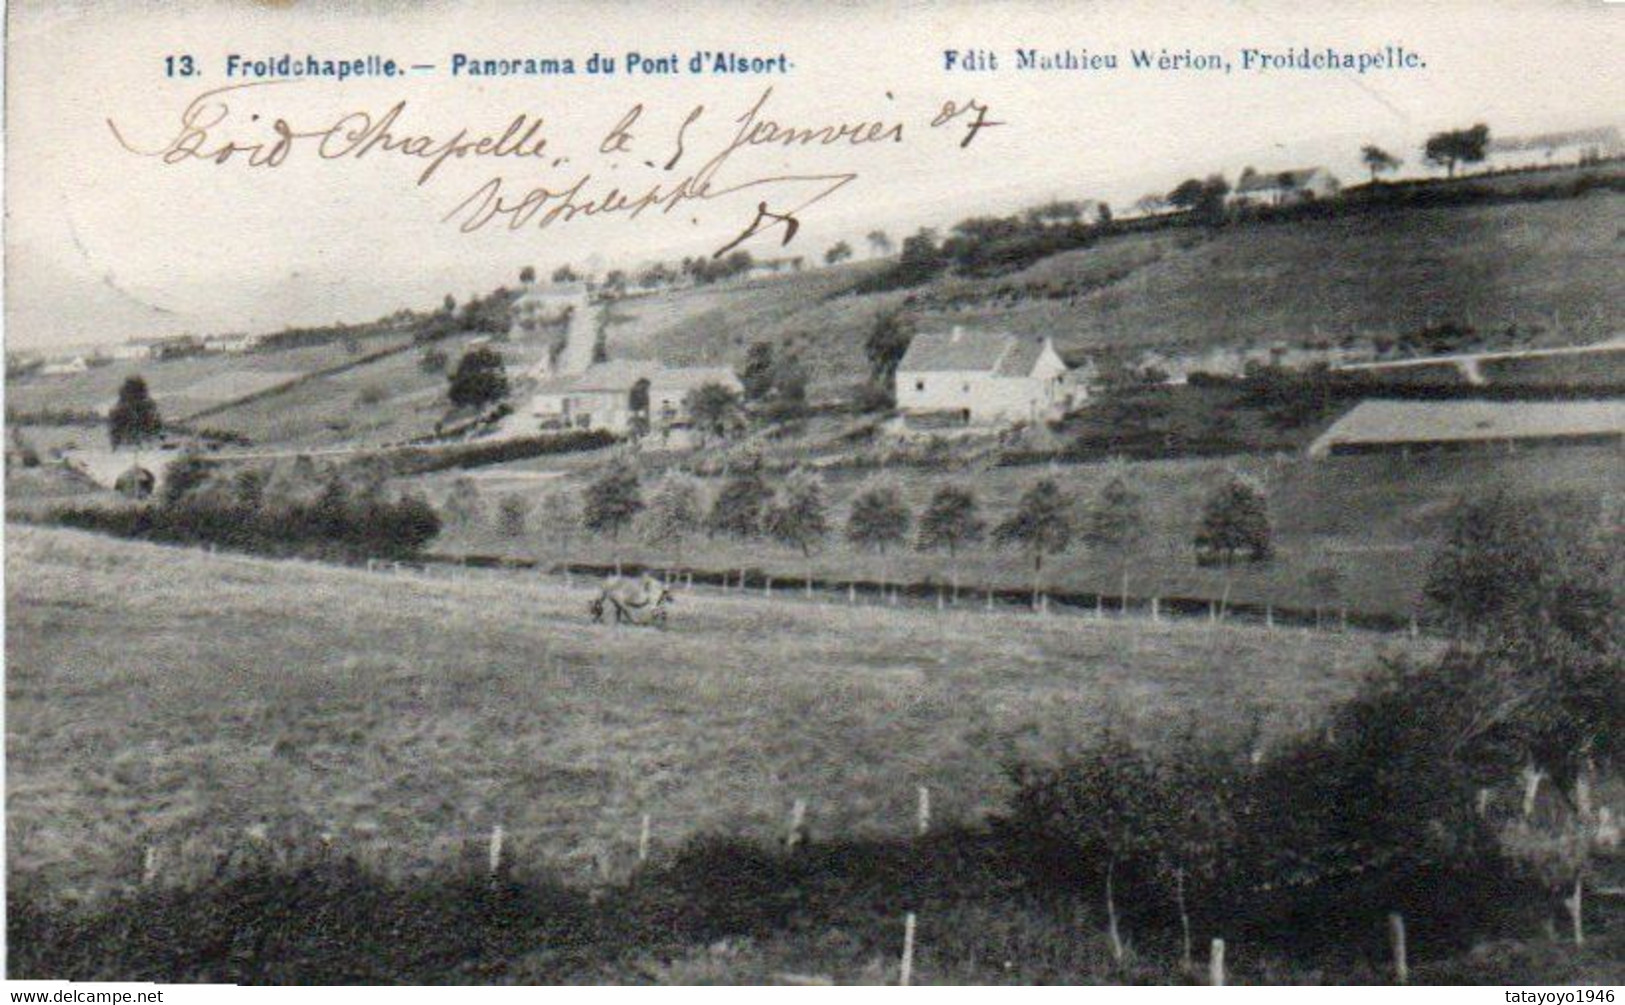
966, 377
1405, 426
1284, 188
601, 396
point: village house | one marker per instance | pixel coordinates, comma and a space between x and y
621, 395
64, 366
230, 343
124, 351
1284, 188
970, 377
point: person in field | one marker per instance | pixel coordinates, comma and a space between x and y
641, 601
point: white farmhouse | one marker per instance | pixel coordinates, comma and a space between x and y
1284, 188
981, 378
64, 366
126, 351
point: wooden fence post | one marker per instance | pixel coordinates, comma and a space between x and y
1576, 906
905, 972
1269, 615
1396, 938
1213, 611
809, 586
942, 601
495, 851
150, 865
643, 840
798, 825
1343, 619
1532, 777
1156, 608
1415, 628
691, 579
1100, 607
851, 593
922, 820
1215, 964
767, 586
894, 596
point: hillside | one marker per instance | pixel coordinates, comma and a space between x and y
386, 401
1549, 268
189, 384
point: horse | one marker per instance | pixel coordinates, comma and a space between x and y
631, 598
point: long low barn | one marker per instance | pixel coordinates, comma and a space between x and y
1399, 426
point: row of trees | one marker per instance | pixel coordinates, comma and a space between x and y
1205, 197
1045, 522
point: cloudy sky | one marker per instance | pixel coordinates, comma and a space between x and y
103, 243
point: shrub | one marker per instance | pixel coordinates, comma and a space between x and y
674, 511
184, 476
512, 512
134, 417
480, 379
1040, 525
612, 501
463, 504
879, 518
800, 520
334, 525
499, 452
1235, 520
950, 521
737, 509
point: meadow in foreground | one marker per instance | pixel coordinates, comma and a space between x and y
166, 698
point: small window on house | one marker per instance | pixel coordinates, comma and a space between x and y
919, 385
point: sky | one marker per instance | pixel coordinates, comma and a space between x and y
104, 243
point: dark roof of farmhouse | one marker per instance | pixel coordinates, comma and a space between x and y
962, 349
1394, 421
1261, 180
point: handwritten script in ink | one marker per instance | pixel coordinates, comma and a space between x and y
535, 182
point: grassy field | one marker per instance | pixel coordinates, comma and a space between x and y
387, 401
170, 698
182, 386
1374, 519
